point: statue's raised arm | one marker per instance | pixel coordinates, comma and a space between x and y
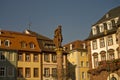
58, 37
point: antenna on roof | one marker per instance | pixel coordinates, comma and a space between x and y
29, 25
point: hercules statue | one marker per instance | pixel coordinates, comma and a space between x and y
58, 37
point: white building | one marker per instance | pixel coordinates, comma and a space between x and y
104, 48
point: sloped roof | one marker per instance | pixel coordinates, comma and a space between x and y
16, 38
77, 44
39, 36
111, 14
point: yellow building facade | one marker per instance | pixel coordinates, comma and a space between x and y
78, 60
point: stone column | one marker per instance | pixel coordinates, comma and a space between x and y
59, 52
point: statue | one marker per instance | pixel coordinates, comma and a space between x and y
58, 37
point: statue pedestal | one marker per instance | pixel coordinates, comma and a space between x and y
59, 52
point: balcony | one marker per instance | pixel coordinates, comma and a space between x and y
109, 66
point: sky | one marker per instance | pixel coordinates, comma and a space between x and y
75, 16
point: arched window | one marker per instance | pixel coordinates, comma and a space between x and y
95, 56
103, 55
111, 54
7, 43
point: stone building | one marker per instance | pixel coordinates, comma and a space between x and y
19, 56
49, 57
103, 46
77, 60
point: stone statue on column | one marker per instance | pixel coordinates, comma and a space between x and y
58, 37
59, 51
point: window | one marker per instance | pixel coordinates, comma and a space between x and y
110, 40
7, 43
95, 56
23, 44
36, 72
82, 54
46, 57
111, 56
109, 25
103, 55
27, 57
32, 46
94, 43
35, 57
101, 28
82, 64
87, 64
2, 71
11, 56
20, 72
46, 72
94, 30
54, 72
83, 75
2, 56
27, 72
95, 61
54, 58
20, 57
10, 71
102, 43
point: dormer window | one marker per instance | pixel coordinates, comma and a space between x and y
101, 26
23, 44
7, 43
94, 30
109, 25
71, 46
107, 15
32, 45
116, 19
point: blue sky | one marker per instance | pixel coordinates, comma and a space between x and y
75, 16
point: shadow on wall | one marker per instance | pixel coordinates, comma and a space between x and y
8, 66
71, 71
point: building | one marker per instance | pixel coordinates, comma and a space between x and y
49, 57
104, 47
19, 56
78, 60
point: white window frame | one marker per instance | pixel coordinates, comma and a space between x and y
109, 25
94, 30
7, 43
101, 27
32, 45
